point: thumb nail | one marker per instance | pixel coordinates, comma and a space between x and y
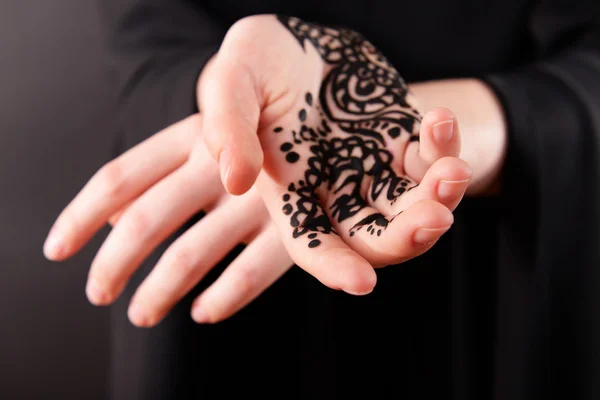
225, 167
443, 131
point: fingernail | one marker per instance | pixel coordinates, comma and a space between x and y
427, 236
449, 190
137, 316
94, 293
443, 131
225, 167
199, 315
358, 293
53, 246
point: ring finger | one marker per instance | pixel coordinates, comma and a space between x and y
257, 267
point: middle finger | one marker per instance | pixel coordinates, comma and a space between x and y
195, 253
147, 222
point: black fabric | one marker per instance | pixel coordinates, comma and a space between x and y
505, 306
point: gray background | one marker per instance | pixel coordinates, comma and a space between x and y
55, 99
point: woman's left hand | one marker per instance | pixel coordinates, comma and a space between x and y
148, 193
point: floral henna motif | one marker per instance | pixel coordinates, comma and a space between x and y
363, 93
365, 97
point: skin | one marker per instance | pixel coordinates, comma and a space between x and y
149, 191
482, 122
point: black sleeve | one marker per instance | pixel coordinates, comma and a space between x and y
551, 103
548, 324
158, 48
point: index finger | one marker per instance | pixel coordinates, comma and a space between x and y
116, 184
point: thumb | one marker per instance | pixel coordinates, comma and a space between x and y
439, 137
230, 111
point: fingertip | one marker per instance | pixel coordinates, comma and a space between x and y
439, 137
199, 314
361, 288
225, 167
428, 236
362, 283
443, 131
440, 133
450, 168
95, 294
438, 221
357, 276
138, 317
447, 181
429, 213
54, 248
238, 175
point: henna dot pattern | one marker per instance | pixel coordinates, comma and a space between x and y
302, 115
287, 209
287, 146
375, 223
364, 99
314, 243
309, 99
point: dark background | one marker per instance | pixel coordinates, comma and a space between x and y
55, 99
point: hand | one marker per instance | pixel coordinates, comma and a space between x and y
146, 194
154, 191
339, 134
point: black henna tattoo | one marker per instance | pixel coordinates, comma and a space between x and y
365, 97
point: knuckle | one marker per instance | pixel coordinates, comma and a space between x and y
245, 23
247, 281
246, 32
137, 223
182, 261
111, 179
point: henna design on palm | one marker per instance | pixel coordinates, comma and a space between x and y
365, 98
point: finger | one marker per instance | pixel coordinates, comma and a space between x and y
259, 265
444, 185
116, 216
384, 236
231, 111
445, 182
116, 184
312, 242
392, 240
439, 137
193, 254
146, 223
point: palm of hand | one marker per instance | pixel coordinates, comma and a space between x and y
340, 173
335, 177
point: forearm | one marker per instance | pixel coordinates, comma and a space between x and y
482, 126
